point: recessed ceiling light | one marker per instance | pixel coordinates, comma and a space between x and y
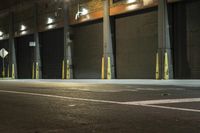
51, 26
23, 32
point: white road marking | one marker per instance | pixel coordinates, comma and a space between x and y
135, 103
164, 101
61, 97
172, 108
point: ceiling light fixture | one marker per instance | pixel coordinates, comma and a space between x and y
50, 20
84, 11
1, 33
81, 12
131, 1
23, 27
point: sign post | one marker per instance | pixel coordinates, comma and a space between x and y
3, 54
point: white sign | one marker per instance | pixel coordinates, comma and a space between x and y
32, 44
3, 53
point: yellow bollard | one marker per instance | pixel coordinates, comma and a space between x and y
63, 70
3, 72
157, 66
102, 68
68, 70
8, 72
37, 71
109, 69
33, 71
166, 69
13, 71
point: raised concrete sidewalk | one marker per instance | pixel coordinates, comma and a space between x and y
188, 83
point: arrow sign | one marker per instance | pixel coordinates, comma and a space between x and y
3, 53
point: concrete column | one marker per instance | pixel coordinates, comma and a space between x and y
164, 46
67, 66
12, 53
37, 56
108, 70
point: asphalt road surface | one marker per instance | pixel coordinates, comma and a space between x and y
94, 106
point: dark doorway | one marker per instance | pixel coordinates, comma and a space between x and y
25, 56
52, 51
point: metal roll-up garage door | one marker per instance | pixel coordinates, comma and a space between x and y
88, 50
136, 45
4, 44
25, 56
187, 40
52, 52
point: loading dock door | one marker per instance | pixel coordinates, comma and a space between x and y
52, 53
136, 45
88, 50
187, 40
25, 56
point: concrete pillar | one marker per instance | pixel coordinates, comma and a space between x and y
12, 53
108, 65
67, 66
37, 56
164, 46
